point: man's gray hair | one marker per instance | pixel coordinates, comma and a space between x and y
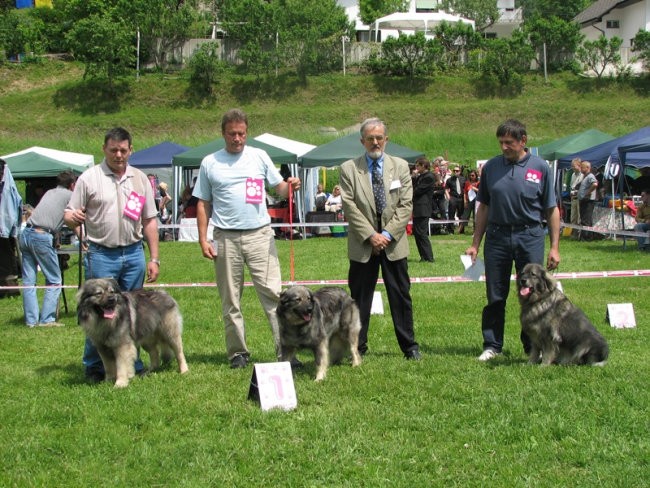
372, 122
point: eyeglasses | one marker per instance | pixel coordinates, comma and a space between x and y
456, 171
374, 138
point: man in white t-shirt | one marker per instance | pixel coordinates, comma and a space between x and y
230, 189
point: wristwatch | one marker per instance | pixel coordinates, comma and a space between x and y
157, 261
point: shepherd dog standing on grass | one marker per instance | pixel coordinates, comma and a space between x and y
117, 322
325, 321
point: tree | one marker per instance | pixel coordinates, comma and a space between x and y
641, 45
504, 63
483, 12
205, 67
371, 10
456, 39
22, 33
252, 23
164, 26
410, 56
560, 37
309, 35
564, 9
301, 34
601, 54
104, 44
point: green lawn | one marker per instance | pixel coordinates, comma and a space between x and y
445, 421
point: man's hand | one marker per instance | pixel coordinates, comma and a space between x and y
379, 243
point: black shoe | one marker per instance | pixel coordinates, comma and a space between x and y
432, 260
363, 350
296, 363
413, 355
238, 362
95, 376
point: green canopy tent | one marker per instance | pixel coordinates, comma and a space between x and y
191, 159
339, 150
572, 144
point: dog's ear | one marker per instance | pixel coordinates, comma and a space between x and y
549, 281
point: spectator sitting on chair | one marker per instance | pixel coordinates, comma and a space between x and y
37, 246
643, 221
334, 202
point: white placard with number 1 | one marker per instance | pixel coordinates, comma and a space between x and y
272, 385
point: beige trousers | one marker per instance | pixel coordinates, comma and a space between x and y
256, 250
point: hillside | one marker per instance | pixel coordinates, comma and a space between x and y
49, 105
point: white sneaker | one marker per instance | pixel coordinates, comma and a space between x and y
488, 354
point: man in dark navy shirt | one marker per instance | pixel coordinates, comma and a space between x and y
515, 196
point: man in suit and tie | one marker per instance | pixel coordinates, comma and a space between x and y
377, 202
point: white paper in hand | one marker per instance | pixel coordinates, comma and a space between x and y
472, 271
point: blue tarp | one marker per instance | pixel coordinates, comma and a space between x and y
598, 155
24, 3
156, 156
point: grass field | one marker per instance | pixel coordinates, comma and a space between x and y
445, 421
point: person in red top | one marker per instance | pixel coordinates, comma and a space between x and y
469, 195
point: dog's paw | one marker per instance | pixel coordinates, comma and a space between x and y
121, 383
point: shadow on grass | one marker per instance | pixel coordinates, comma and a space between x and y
582, 85
276, 88
401, 85
92, 97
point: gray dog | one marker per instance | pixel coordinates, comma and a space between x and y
325, 321
117, 322
560, 332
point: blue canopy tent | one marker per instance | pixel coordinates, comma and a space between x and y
608, 151
160, 156
636, 153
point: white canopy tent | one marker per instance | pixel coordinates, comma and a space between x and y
416, 21
309, 177
83, 161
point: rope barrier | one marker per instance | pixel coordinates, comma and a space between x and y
638, 273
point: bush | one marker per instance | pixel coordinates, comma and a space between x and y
205, 67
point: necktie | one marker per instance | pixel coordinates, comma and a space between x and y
378, 188
457, 186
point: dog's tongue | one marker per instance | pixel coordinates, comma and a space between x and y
525, 291
306, 317
109, 313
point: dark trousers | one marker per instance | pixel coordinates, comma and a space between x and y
587, 218
456, 208
421, 235
362, 279
502, 247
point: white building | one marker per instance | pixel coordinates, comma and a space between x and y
620, 18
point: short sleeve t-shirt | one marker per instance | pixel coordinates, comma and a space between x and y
517, 193
234, 184
105, 198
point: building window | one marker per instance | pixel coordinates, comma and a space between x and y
613, 24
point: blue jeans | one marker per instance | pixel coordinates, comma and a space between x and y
126, 265
502, 247
643, 242
37, 250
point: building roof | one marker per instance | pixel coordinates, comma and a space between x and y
595, 12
